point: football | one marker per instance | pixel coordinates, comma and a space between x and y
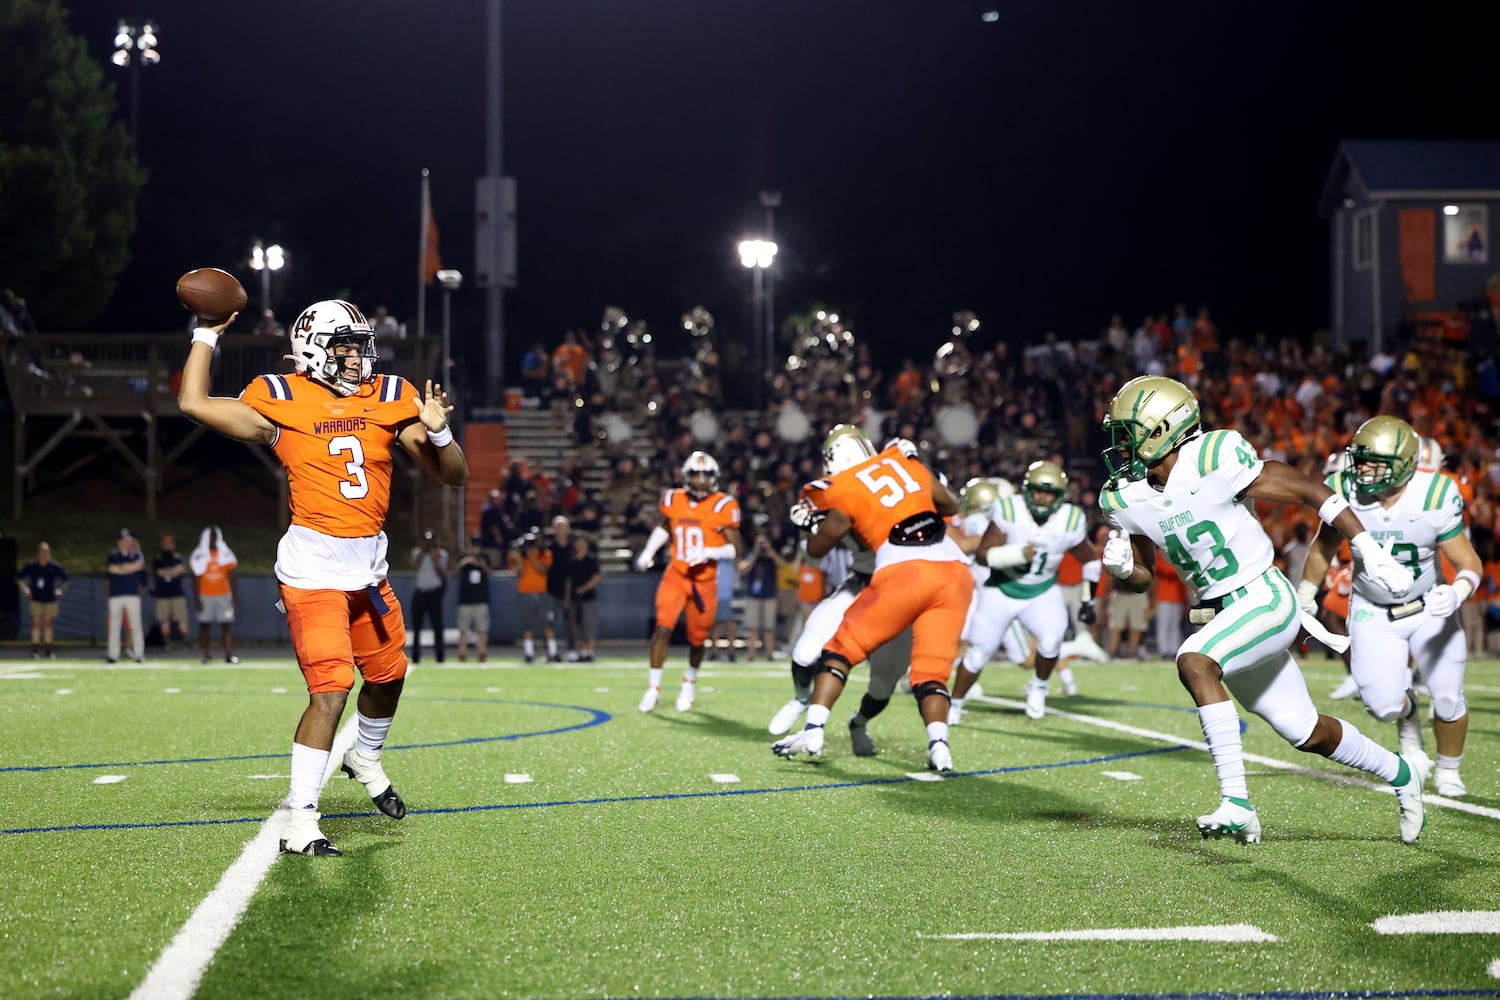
210, 294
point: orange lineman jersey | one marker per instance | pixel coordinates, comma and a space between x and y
888, 500
695, 525
336, 449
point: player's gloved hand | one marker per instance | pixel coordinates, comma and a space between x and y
642, 563
1307, 597
1086, 613
1380, 564
1441, 601
802, 514
1118, 556
906, 446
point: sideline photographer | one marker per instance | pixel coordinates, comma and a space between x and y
430, 560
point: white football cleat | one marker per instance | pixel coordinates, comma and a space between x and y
1409, 729
302, 836
786, 716
1413, 813
1446, 782
939, 756
1036, 699
1069, 685
649, 699
1084, 646
686, 695
808, 741
1348, 689
1231, 820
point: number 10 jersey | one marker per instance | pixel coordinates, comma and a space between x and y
1210, 536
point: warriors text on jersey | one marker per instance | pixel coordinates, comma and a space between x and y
1429, 511
1199, 518
1052, 539
888, 500
696, 525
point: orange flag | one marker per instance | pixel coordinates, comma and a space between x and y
432, 261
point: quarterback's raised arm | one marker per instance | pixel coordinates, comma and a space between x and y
429, 439
224, 414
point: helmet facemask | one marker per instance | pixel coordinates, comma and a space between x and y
346, 370
1043, 489
1149, 418
700, 475
1382, 457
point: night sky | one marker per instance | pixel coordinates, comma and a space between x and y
1067, 160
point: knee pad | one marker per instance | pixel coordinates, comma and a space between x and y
1449, 707
1295, 724
833, 663
1388, 711
927, 688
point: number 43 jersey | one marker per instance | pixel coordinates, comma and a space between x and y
336, 449
1213, 540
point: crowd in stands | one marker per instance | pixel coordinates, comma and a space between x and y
990, 411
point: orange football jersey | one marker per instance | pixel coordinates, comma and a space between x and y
695, 525
876, 495
336, 449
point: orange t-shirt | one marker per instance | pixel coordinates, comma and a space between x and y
529, 579
877, 495
809, 584
336, 449
1169, 586
214, 581
695, 525
571, 358
1069, 571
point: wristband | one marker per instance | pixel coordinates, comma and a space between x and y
442, 437
1466, 583
203, 335
1332, 508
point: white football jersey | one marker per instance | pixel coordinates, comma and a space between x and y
1429, 510
1053, 539
1213, 540
975, 524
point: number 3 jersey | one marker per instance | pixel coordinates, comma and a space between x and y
1052, 539
337, 454
1429, 511
1210, 536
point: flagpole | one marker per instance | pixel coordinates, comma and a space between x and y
422, 258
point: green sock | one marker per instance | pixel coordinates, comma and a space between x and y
1403, 775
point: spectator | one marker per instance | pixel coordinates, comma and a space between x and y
492, 532
1171, 604
723, 633
126, 570
1294, 552
534, 371
1128, 613
759, 569
430, 560
385, 325
559, 577
168, 573
570, 360
43, 582
533, 606
788, 611
583, 597
213, 564
473, 605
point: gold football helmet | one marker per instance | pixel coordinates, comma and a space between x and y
845, 447
1149, 418
1043, 488
977, 497
1382, 456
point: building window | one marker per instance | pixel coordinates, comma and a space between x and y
1364, 239
1466, 234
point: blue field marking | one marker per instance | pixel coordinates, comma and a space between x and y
596, 717
659, 797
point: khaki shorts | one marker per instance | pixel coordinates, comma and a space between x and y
1127, 611
760, 613
43, 612
474, 619
171, 609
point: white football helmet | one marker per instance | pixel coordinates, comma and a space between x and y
700, 474
314, 335
845, 447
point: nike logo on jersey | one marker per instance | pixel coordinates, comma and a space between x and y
344, 425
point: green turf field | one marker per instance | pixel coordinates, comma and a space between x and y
561, 844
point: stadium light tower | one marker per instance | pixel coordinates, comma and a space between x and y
136, 45
265, 260
758, 255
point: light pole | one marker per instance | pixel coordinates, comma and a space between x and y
451, 281
265, 260
136, 45
759, 255
770, 201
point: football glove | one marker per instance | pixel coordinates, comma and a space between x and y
1086, 613
1441, 601
1381, 565
1118, 556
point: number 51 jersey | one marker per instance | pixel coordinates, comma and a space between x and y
336, 449
1212, 538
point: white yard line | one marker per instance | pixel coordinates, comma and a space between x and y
1209, 932
1271, 762
1440, 922
180, 968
